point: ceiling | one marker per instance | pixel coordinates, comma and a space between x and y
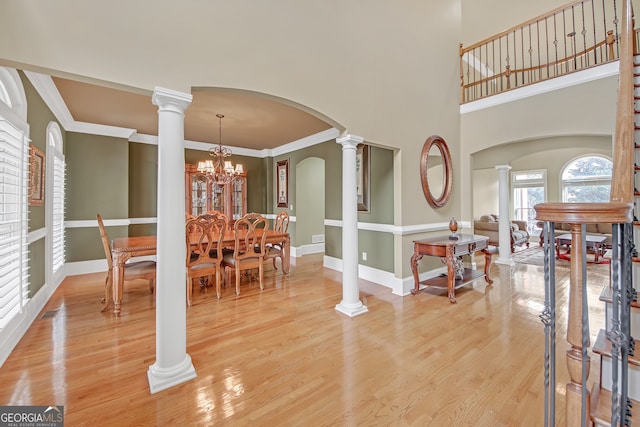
250, 121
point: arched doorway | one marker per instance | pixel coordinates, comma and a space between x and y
310, 197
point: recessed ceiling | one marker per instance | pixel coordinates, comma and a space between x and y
250, 121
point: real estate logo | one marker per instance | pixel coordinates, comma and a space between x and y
31, 416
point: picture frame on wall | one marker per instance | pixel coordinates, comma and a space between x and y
36, 176
282, 179
362, 177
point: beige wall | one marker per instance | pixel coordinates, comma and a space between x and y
587, 109
484, 18
382, 72
549, 154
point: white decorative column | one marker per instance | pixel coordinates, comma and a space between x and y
504, 222
350, 304
173, 365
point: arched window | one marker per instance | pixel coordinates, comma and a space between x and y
55, 203
587, 179
14, 191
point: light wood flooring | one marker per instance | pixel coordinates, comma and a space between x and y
285, 357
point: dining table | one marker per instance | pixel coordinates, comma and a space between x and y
125, 248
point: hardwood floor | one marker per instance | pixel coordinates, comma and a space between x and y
284, 356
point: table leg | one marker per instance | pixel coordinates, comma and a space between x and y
451, 274
596, 252
285, 251
487, 265
414, 268
118, 281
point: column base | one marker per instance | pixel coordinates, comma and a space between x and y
504, 261
351, 310
164, 378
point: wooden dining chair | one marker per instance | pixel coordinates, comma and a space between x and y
204, 236
145, 270
275, 250
249, 248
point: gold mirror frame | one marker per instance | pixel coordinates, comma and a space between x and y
440, 144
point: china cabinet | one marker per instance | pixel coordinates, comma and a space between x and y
202, 195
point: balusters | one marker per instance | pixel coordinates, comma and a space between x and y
570, 38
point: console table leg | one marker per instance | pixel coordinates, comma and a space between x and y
414, 268
451, 273
487, 265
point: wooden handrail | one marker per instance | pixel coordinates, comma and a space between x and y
579, 35
557, 63
623, 148
524, 24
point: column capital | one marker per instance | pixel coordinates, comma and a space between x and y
349, 141
503, 167
171, 99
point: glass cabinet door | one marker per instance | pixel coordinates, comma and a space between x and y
217, 198
238, 202
203, 196
199, 197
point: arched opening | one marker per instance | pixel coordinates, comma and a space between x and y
310, 200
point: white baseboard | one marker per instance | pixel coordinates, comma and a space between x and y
11, 334
298, 251
401, 287
95, 266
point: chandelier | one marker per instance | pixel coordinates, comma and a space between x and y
219, 170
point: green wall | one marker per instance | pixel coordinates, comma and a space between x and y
97, 182
118, 179
38, 116
378, 245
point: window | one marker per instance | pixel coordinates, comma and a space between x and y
529, 189
14, 186
587, 179
14, 191
56, 178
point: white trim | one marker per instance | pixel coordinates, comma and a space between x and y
51, 96
307, 249
13, 333
399, 230
96, 129
401, 287
602, 71
308, 141
15, 90
91, 223
36, 235
85, 267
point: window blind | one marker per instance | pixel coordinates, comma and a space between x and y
58, 212
14, 168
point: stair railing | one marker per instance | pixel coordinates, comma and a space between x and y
619, 213
577, 395
574, 37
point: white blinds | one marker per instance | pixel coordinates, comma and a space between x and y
14, 185
58, 211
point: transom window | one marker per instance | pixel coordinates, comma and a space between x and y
587, 179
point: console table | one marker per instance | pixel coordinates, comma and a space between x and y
450, 252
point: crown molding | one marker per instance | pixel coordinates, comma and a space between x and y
51, 96
49, 92
305, 142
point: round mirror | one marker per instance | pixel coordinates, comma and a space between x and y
435, 171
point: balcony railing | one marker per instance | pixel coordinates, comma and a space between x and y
571, 38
